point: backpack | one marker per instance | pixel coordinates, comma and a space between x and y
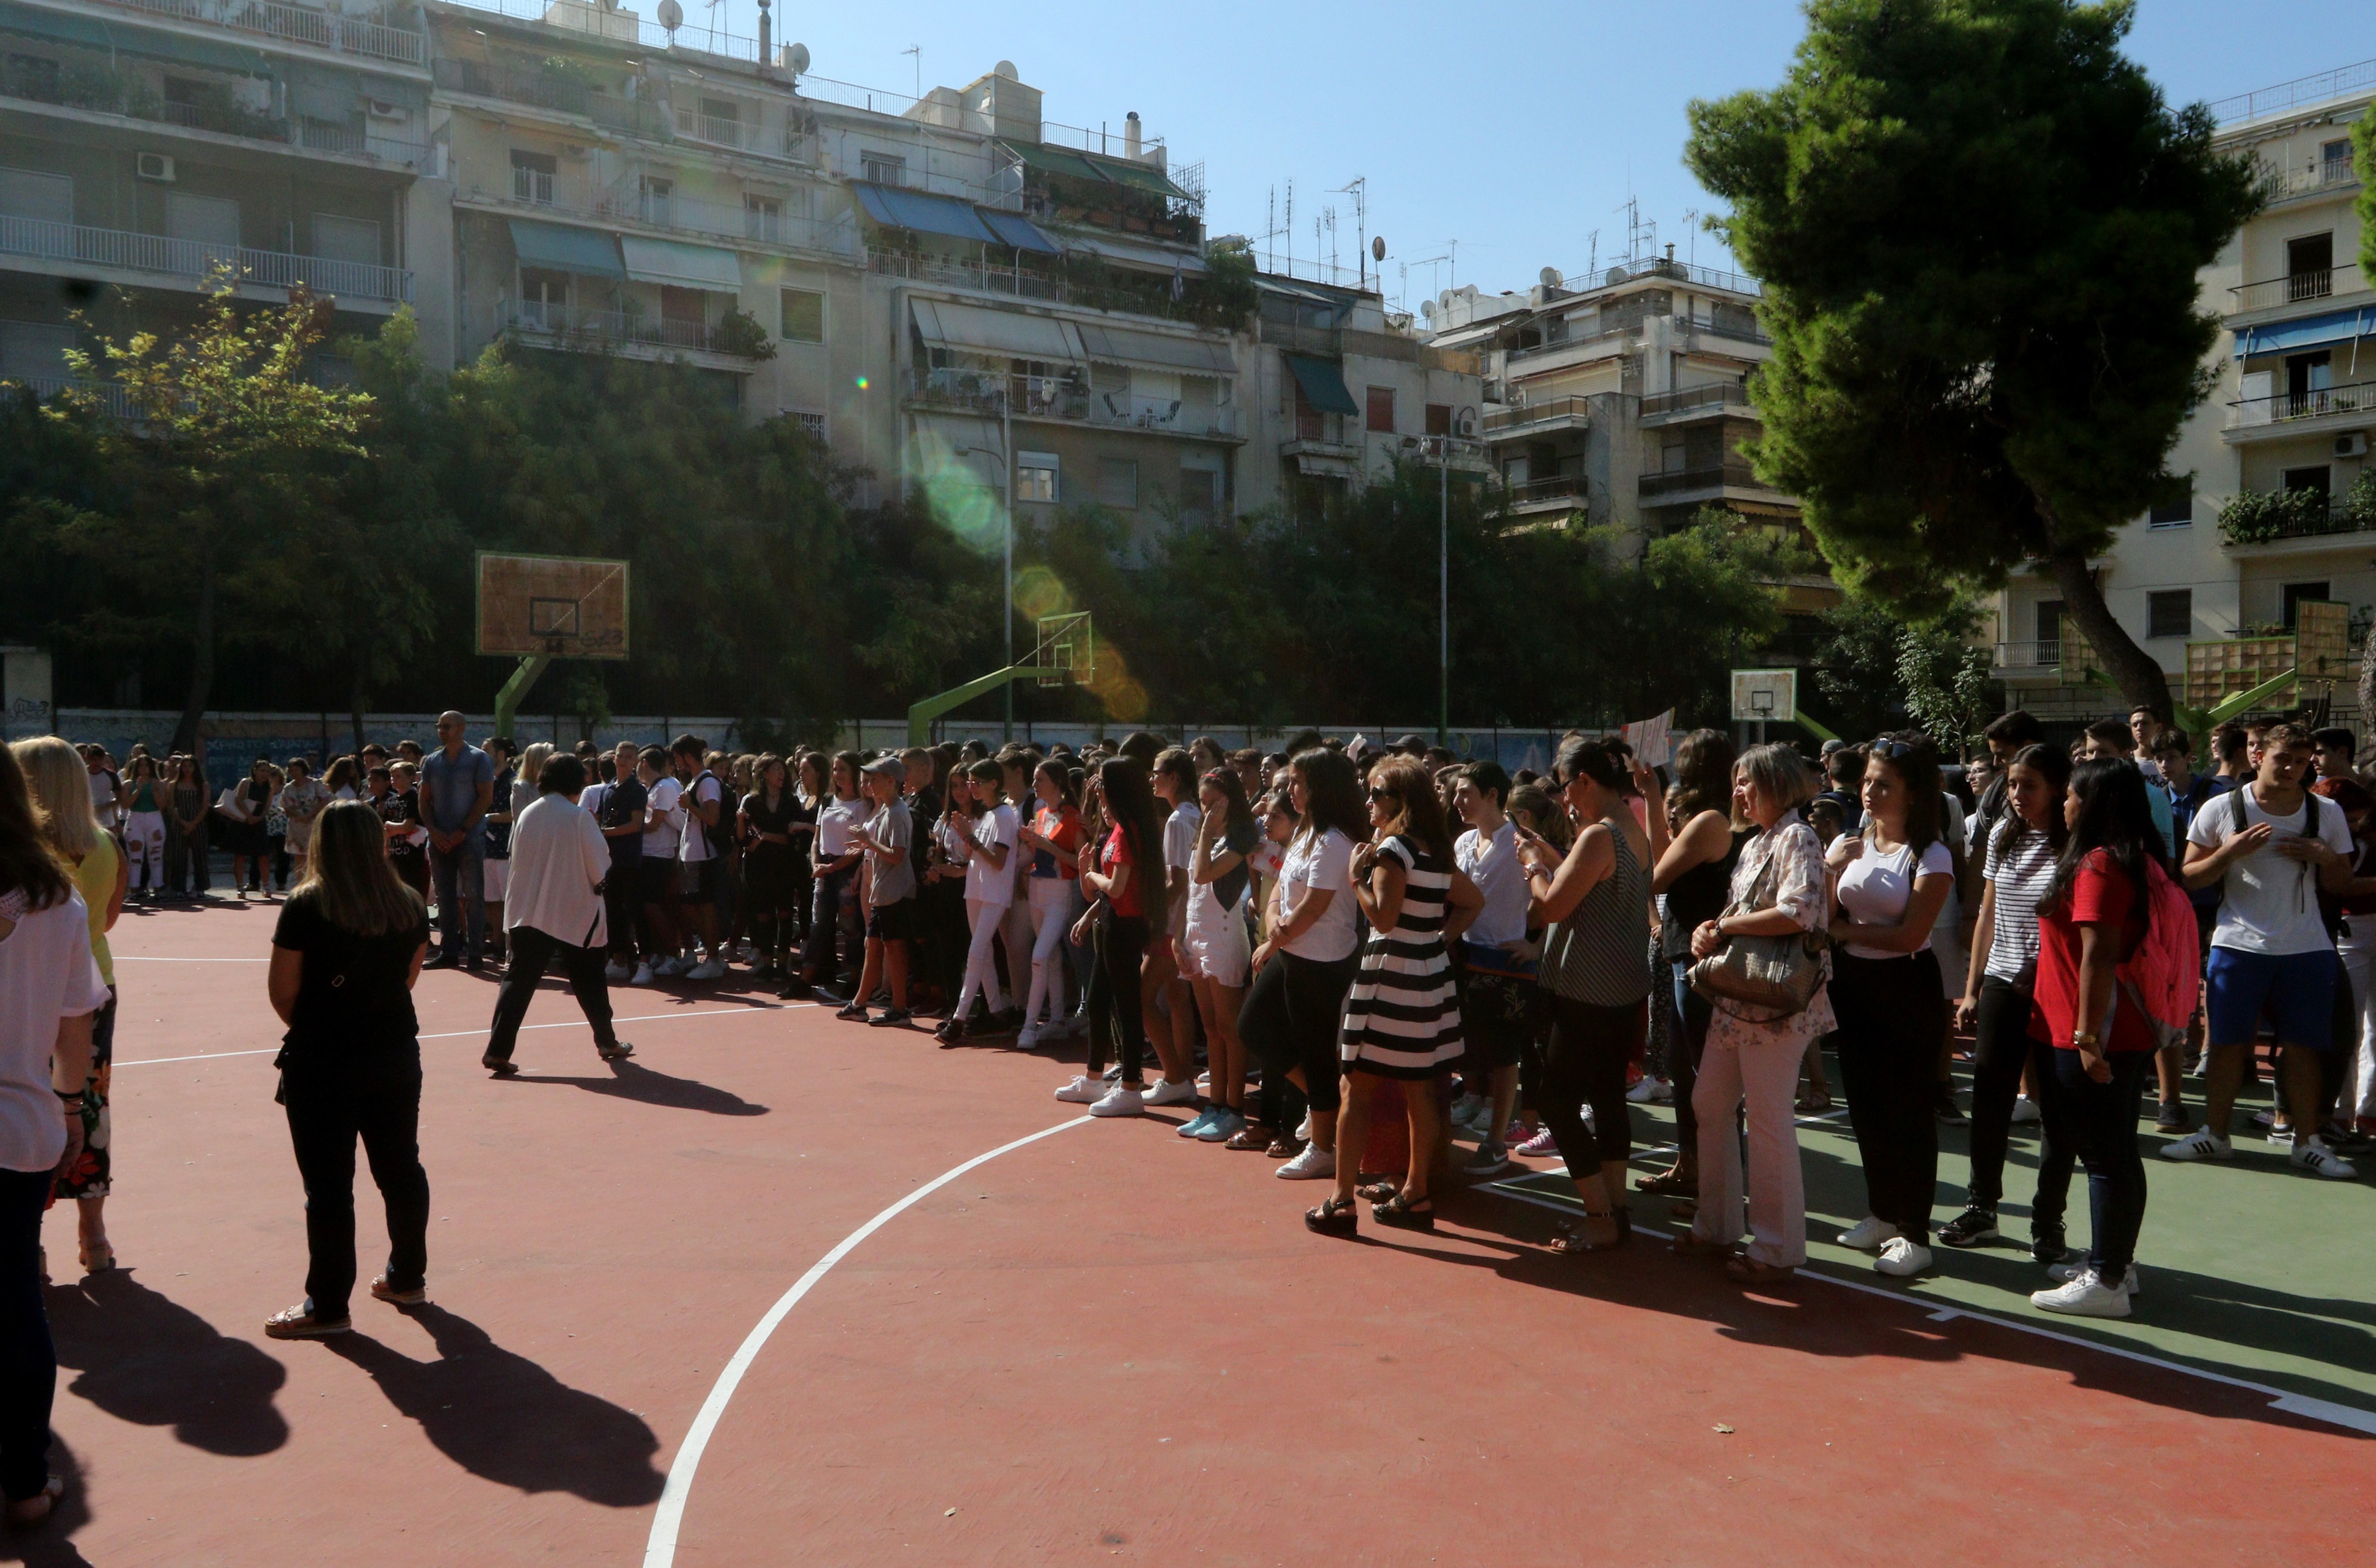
2162, 977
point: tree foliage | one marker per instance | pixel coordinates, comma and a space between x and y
1881, 671
1978, 226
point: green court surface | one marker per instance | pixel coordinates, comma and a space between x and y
2253, 1273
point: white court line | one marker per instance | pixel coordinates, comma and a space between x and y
466, 1034
659, 1549
145, 959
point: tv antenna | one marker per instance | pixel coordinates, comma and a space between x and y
918, 51
1358, 187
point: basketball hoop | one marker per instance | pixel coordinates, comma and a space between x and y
1067, 651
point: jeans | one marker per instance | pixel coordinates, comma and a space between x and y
831, 900
29, 1362
1889, 1033
1585, 1065
461, 874
1999, 1050
2055, 1157
982, 923
1683, 1061
1117, 1026
1052, 907
2098, 1123
333, 1096
1290, 1019
533, 953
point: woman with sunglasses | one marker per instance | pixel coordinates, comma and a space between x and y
1595, 968
1214, 949
1893, 880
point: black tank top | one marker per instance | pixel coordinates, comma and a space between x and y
1697, 896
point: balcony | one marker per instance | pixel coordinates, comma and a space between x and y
294, 24
112, 396
1683, 481
1558, 490
2282, 412
731, 220
2035, 657
195, 260
1739, 325
1695, 402
1019, 283
2336, 520
718, 130
1537, 419
1063, 399
2318, 178
106, 90
610, 329
2316, 283
552, 92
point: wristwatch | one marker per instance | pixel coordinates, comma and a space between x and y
2084, 1038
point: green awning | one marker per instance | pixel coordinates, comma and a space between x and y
1324, 383
682, 266
1054, 161
586, 251
1144, 176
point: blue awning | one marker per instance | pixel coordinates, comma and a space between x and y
586, 251
1016, 230
896, 208
2307, 332
1324, 383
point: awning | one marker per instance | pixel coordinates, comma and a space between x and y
586, 251
1135, 253
685, 266
896, 208
1054, 161
1142, 176
1156, 350
2306, 332
1311, 465
1016, 230
1324, 383
999, 333
1463, 336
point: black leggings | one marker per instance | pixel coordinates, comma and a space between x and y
533, 952
1585, 1065
1290, 1019
2000, 1046
1889, 1014
29, 1362
1115, 1019
775, 891
332, 1098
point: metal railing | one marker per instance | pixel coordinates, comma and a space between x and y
1021, 282
1679, 481
1725, 395
601, 327
198, 258
551, 91
111, 395
1061, 398
2326, 174
2337, 83
2045, 653
2340, 518
1637, 268
718, 130
611, 25
108, 91
1550, 411
1728, 326
695, 215
2357, 397
1557, 487
2311, 283
295, 24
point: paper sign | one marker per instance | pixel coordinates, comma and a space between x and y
1653, 739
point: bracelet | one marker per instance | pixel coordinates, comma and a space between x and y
67, 1094
2082, 1039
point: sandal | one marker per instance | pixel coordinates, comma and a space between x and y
1333, 1216
298, 1323
1284, 1147
1692, 1245
1813, 1102
1378, 1192
1568, 1237
97, 1260
1248, 1137
500, 1066
618, 1051
1749, 1271
1396, 1210
1669, 1183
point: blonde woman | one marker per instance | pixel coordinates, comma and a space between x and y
60, 782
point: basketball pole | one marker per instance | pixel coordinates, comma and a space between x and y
507, 700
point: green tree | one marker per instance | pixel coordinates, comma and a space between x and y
1979, 225
2363, 165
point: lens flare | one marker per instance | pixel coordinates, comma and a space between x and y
865, 382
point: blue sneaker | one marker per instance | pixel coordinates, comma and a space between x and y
1194, 1126
1223, 1125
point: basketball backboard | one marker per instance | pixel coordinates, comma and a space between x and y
1764, 695
1068, 649
552, 606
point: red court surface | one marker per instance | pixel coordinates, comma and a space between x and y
1107, 1344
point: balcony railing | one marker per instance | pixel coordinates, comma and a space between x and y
1534, 416
1726, 394
72, 243
602, 328
2300, 90
695, 215
1736, 328
323, 30
112, 396
718, 130
110, 91
1021, 282
2044, 654
1680, 481
1059, 397
2357, 397
548, 90
2314, 283
2339, 517
1557, 487
2326, 174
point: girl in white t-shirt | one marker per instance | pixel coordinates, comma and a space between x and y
1892, 881
989, 888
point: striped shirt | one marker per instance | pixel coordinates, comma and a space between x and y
1402, 1015
2020, 876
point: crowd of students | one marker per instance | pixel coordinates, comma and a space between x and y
1353, 938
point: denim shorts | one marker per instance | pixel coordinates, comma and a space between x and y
2296, 991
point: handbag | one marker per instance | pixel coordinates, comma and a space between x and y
1764, 978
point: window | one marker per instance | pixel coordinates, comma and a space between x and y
656, 200
2335, 161
2318, 479
544, 298
812, 425
2309, 267
1035, 476
213, 221
1200, 494
45, 198
345, 239
883, 168
1118, 483
1439, 418
2174, 508
803, 316
532, 175
763, 219
1382, 410
2050, 621
2295, 593
2170, 613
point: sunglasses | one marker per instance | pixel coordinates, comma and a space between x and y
1892, 750
1384, 795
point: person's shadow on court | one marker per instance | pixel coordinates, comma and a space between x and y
51, 1543
632, 1080
502, 1417
146, 1359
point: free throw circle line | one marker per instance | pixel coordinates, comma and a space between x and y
659, 1549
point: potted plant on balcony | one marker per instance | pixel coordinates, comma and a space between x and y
2255, 516
739, 332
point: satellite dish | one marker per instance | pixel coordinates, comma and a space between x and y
796, 57
1615, 275
1006, 68
1551, 279
1378, 248
1427, 309
671, 15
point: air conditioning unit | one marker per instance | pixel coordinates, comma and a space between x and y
2354, 444
153, 166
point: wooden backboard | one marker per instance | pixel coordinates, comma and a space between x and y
561, 606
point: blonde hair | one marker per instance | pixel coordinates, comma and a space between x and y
531, 764
60, 781
348, 878
1780, 774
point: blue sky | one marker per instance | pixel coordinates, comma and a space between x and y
1517, 129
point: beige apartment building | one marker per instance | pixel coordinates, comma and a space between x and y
2193, 579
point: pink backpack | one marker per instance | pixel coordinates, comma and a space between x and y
2163, 977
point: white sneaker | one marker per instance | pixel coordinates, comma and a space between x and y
643, 975
2314, 1156
1026, 1037
2083, 1295
2202, 1145
1167, 1092
1083, 1090
1312, 1163
709, 969
1869, 1234
1204, 1083
1901, 1258
2025, 1110
2132, 1282
1467, 1108
1119, 1101
1304, 1129
617, 974
1651, 1091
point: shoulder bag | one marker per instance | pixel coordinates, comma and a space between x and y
1764, 978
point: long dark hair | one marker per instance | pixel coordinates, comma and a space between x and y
1915, 763
1703, 762
1239, 829
1130, 805
27, 860
1332, 794
2051, 763
2115, 817
1421, 814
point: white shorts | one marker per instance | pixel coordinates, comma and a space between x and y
1213, 942
494, 878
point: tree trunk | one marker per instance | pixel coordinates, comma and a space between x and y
357, 696
2134, 670
202, 663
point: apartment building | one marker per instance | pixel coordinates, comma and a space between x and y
2213, 578
146, 144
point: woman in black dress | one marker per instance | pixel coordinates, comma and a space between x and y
773, 818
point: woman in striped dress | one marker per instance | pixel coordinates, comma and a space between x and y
1402, 1017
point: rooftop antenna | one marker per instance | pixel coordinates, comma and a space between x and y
1691, 223
1358, 187
1592, 268
712, 29
918, 51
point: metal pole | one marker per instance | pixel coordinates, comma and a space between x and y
1006, 499
1444, 599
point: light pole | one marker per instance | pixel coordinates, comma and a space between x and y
1443, 594
1006, 504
